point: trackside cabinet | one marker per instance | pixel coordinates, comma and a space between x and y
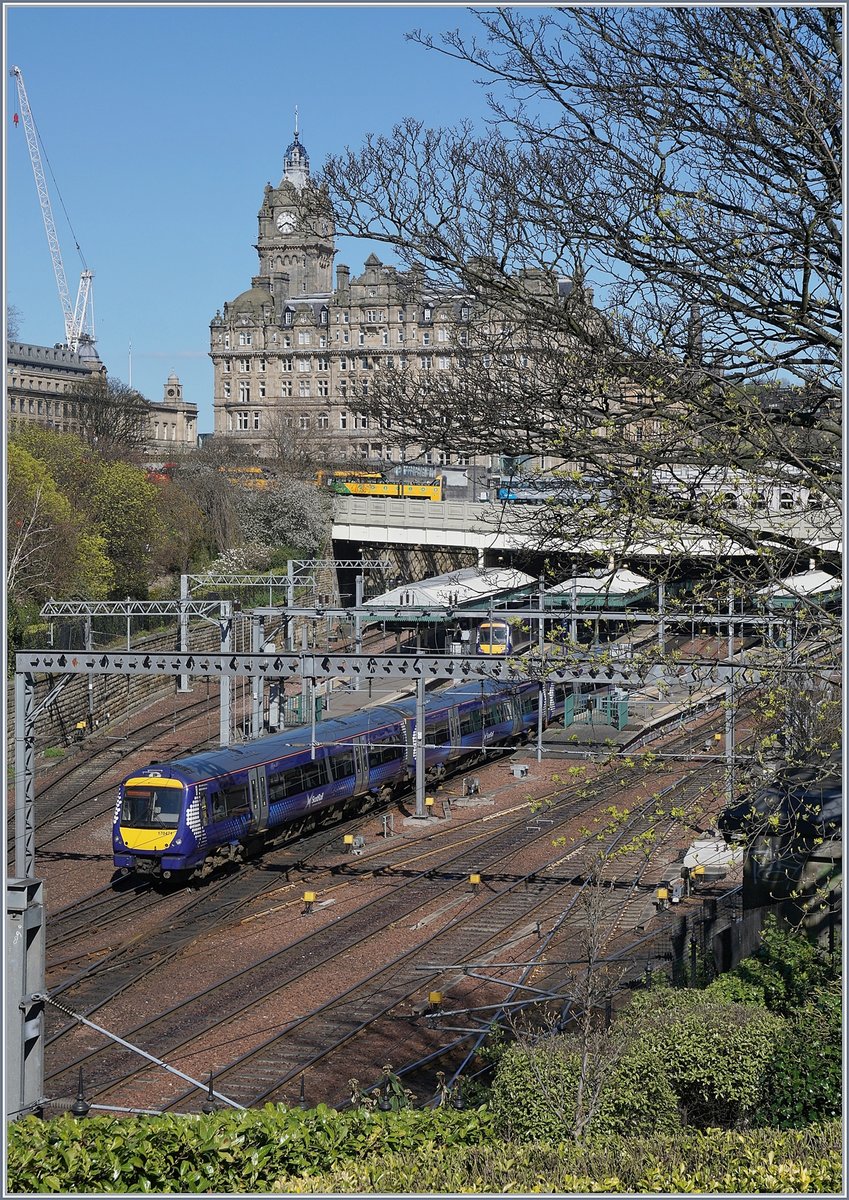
25, 997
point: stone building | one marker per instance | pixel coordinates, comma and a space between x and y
41, 379
41, 382
173, 421
292, 352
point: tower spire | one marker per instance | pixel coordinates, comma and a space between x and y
296, 122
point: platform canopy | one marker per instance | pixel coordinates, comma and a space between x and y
817, 586
602, 589
468, 589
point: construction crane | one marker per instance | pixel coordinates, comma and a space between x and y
79, 320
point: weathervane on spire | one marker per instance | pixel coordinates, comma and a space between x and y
296, 122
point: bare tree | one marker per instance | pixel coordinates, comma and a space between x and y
684, 163
295, 453
111, 415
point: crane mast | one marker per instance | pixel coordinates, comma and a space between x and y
75, 318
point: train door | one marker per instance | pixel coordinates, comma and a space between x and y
258, 793
361, 761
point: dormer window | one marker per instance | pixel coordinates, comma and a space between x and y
323, 317
288, 316
427, 313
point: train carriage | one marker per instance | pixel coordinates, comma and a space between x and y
187, 815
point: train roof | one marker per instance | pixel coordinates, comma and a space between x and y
206, 764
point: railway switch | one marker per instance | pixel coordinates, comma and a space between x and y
474, 881
309, 901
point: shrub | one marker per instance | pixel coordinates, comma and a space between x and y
535, 1091
717, 1054
225, 1152
687, 1161
805, 1082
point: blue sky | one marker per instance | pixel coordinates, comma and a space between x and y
162, 125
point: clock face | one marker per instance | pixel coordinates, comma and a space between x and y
285, 222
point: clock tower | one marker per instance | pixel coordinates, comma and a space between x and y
295, 246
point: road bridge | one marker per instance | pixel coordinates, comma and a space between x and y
491, 529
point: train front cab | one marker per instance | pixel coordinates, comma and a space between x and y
494, 638
149, 819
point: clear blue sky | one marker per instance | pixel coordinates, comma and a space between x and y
162, 125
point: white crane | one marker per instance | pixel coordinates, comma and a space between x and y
76, 329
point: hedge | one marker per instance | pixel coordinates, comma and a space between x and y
686, 1162
223, 1152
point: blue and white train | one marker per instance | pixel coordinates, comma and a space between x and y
184, 817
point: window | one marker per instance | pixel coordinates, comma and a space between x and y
322, 317
442, 458
303, 387
384, 337
373, 315
361, 421
286, 363
442, 335
425, 339
244, 391
343, 388
286, 387
343, 420
256, 420
401, 315
342, 764
785, 501
364, 363
304, 337
400, 335
323, 363
295, 780
323, 421
463, 337
322, 340
427, 313
244, 338
463, 460
288, 317
444, 362
304, 364
242, 420
226, 341
425, 362
470, 722
385, 752
287, 340
303, 421
244, 365
225, 365
261, 391
465, 313
227, 391
345, 317
361, 337
346, 337
260, 365
324, 387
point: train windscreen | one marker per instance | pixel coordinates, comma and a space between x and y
152, 806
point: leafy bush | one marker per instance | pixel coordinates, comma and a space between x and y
687, 1161
535, 1092
805, 1082
783, 972
716, 1054
225, 1152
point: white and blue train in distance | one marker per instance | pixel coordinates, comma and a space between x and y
182, 818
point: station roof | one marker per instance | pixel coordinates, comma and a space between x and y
613, 588
813, 584
468, 588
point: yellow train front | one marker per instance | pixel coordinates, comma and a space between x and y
494, 637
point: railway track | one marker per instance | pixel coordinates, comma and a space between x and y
417, 893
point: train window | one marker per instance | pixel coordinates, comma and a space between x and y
471, 722
294, 780
529, 704
383, 752
312, 774
438, 735
235, 800
343, 764
217, 806
150, 807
